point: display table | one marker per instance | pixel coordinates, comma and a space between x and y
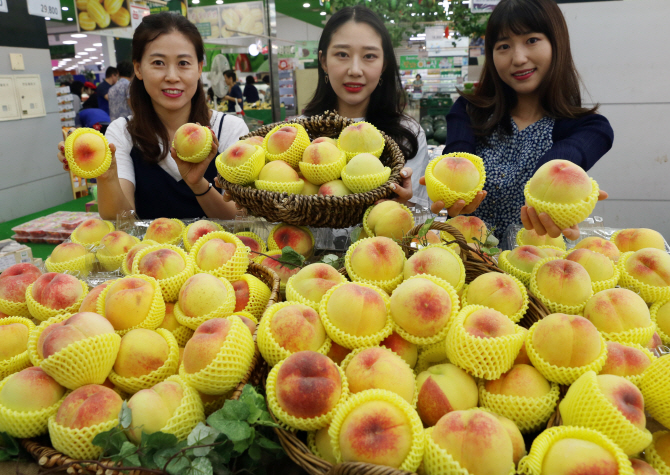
264, 114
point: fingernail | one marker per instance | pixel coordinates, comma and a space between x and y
403, 173
393, 187
62, 148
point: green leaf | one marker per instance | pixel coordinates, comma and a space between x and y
132, 461
355, 233
111, 441
290, 258
255, 452
493, 251
179, 465
163, 455
128, 448
147, 461
158, 440
202, 435
125, 416
235, 430
201, 466
266, 443
235, 410
223, 451
9, 445
425, 228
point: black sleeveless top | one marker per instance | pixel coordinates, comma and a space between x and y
159, 195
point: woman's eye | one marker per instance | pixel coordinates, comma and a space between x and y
184, 63
533, 40
502, 47
370, 56
341, 54
158, 63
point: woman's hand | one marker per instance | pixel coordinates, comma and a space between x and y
543, 224
404, 189
111, 171
227, 197
192, 173
459, 207
61, 151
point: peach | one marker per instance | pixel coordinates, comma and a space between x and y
431, 238
566, 340
600, 245
91, 231
380, 368
389, 219
57, 291
457, 173
255, 140
152, 408
560, 181
324, 139
421, 307
642, 468
116, 243
141, 352
67, 252
278, 171
298, 328
281, 140
524, 258
662, 446
488, 323
617, 310
15, 280
476, 440
308, 385
310, 188
360, 137
471, 227
89, 151
376, 432
529, 237
497, 291
13, 340
564, 282
444, 388
624, 360
163, 231
78, 327
199, 229
314, 280
663, 318
299, 239
214, 254
435, 261
357, 310
322, 441
251, 243
130, 257
364, 164
90, 302
251, 325
241, 295
205, 344
170, 322
522, 357
321, 153
337, 353
599, 266
128, 302
162, 264
190, 140
201, 294
585, 457
655, 342
650, 266
625, 397
551, 252
638, 238
522, 381
30, 390
88, 406
403, 348
377, 259
274, 262
334, 188
237, 154
515, 436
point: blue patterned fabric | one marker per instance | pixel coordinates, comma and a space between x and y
510, 162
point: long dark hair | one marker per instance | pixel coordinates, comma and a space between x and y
145, 128
387, 102
560, 97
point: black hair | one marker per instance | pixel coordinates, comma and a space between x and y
266, 79
76, 87
250, 80
230, 74
418, 75
387, 101
125, 69
111, 71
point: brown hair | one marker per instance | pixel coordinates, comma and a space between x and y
560, 95
145, 128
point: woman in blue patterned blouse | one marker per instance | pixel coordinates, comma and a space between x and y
526, 111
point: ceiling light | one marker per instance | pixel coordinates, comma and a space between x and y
47, 18
82, 52
306, 5
93, 57
98, 63
89, 49
322, 13
69, 42
79, 35
253, 49
70, 19
97, 44
80, 62
219, 2
195, 2
64, 9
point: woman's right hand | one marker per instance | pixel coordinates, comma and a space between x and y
459, 207
61, 151
111, 171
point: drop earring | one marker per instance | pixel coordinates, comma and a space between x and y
326, 79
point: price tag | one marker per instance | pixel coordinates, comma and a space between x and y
45, 8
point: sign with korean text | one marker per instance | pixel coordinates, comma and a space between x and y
45, 8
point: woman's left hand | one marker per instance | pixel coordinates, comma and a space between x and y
192, 173
543, 224
404, 189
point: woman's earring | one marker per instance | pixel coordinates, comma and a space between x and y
381, 81
326, 79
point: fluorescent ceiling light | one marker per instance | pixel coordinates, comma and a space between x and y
98, 63
64, 9
322, 13
47, 18
93, 57
83, 53
89, 49
219, 2
306, 5
79, 35
97, 44
70, 19
69, 42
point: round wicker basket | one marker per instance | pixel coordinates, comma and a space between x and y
315, 210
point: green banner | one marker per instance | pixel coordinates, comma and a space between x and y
61, 51
178, 6
414, 62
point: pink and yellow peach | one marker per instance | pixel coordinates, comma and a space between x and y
566, 340
30, 390
636, 239
15, 280
298, 328
128, 302
444, 388
57, 291
78, 327
141, 352
152, 408
380, 368
89, 406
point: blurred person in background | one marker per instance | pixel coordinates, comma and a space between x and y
250, 92
75, 89
102, 91
234, 92
119, 93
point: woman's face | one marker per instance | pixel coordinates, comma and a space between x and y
170, 71
354, 63
523, 61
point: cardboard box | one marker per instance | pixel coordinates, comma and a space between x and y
14, 255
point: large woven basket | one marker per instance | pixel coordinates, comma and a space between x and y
314, 210
476, 264
48, 458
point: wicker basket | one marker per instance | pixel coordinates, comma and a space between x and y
47, 457
476, 264
314, 210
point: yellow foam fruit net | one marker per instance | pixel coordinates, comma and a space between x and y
387, 286
347, 340
301, 423
442, 334
369, 231
485, 358
42, 313
82, 264
290, 187
554, 307
235, 267
112, 263
293, 155
654, 388
26, 424
377, 153
650, 293
555, 248
124, 265
430, 356
565, 215
636, 379
229, 365
78, 443
227, 308
610, 283
259, 240
654, 459
187, 245
363, 183
17, 309
655, 308
87, 361
156, 312
259, 296
293, 295
438, 191
271, 350
203, 153
17, 362
524, 294
531, 464
437, 461
530, 414
559, 374
245, 173
177, 239
72, 162
131, 385
586, 406
272, 244
90, 245
507, 266
461, 280
182, 334
311, 443
189, 412
243, 313
641, 336
318, 174
416, 450
169, 287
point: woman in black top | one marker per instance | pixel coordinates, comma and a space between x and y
250, 92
